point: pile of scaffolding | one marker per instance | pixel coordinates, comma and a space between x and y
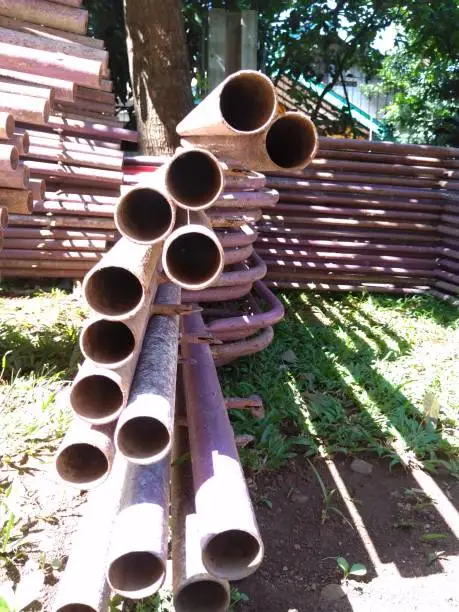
59, 139
132, 411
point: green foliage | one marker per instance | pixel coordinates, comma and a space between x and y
422, 74
356, 569
364, 364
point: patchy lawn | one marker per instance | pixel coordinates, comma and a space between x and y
345, 376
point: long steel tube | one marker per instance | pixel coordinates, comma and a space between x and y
144, 430
244, 103
117, 286
195, 589
85, 456
290, 142
192, 256
194, 179
231, 544
136, 566
99, 394
83, 586
146, 213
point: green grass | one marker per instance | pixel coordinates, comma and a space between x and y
363, 367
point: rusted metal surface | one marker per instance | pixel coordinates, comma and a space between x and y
85, 457
230, 540
193, 586
289, 142
244, 103
192, 254
144, 430
137, 557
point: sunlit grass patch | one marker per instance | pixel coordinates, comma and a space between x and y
363, 367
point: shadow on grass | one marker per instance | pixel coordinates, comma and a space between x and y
331, 395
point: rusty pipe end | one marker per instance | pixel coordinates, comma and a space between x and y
202, 593
141, 436
9, 125
144, 214
113, 291
232, 554
14, 158
193, 257
76, 607
25, 142
194, 179
82, 465
97, 397
136, 574
248, 102
292, 141
108, 343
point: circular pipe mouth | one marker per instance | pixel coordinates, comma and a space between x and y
25, 142
144, 215
291, 141
9, 125
194, 179
109, 343
202, 595
136, 574
14, 158
193, 260
113, 291
232, 554
143, 439
76, 607
96, 398
46, 111
248, 102
82, 464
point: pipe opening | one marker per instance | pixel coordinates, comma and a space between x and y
145, 215
14, 158
231, 554
76, 608
248, 102
107, 342
202, 596
81, 464
291, 141
193, 259
142, 438
194, 179
103, 292
136, 571
96, 397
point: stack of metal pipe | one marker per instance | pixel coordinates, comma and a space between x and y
126, 393
56, 99
364, 216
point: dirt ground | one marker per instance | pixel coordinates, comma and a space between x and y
303, 537
418, 565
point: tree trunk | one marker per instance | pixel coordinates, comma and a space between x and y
160, 76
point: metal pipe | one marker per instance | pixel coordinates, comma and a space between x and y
9, 157
194, 179
228, 351
195, 589
137, 558
249, 324
145, 213
263, 198
6, 125
117, 286
144, 430
289, 142
47, 13
230, 541
99, 394
192, 255
244, 103
85, 457
17, 200
83, 586
217, 294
